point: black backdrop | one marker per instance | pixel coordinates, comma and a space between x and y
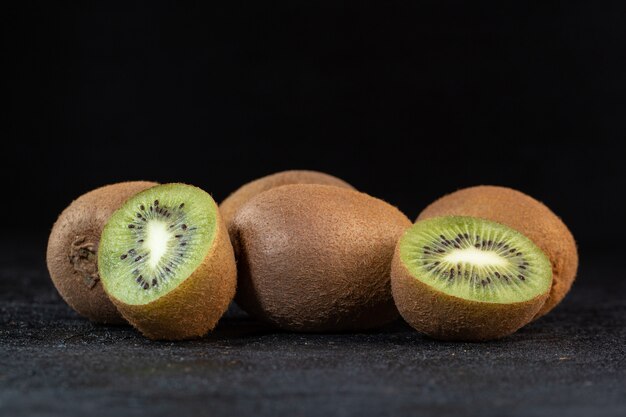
405, 100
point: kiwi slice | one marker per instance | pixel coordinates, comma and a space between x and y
464, 278
166, 262
71, 256
526, 215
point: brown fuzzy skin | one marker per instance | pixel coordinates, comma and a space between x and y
526, 215
317, 258
73, 247
243, 194
446, 317
193, 308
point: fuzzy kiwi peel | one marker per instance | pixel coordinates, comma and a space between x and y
470, 279
72, 250
526, 215
166, 262
243, 194
317, 258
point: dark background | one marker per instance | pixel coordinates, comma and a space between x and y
405, 100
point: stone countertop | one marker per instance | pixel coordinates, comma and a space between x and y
52, 362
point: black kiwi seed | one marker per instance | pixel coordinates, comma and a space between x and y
184, 227
137, 259
154, 282
131, 226
156, 202
142, 207
181, 205
145, 286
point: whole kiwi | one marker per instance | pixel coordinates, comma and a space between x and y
229, 207
73, 245
317, 258
524, 214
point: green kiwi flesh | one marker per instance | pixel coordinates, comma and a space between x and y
459, 267
151, 245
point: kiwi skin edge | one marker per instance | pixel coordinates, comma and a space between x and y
194, 307
446, 317
71, 255
239, 197
526, 215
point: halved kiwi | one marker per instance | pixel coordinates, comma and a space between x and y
73, 246
166, 262
464, 278
524, 214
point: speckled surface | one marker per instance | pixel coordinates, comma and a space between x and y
52, 362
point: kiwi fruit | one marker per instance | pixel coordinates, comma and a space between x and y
233, 202
166, 262
468, 279
73, 246
317, 258
526, 215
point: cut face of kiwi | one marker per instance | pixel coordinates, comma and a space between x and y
476, 260
461, 270
156, 259
149, 247
524, 214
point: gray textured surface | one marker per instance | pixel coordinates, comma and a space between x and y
52, 362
